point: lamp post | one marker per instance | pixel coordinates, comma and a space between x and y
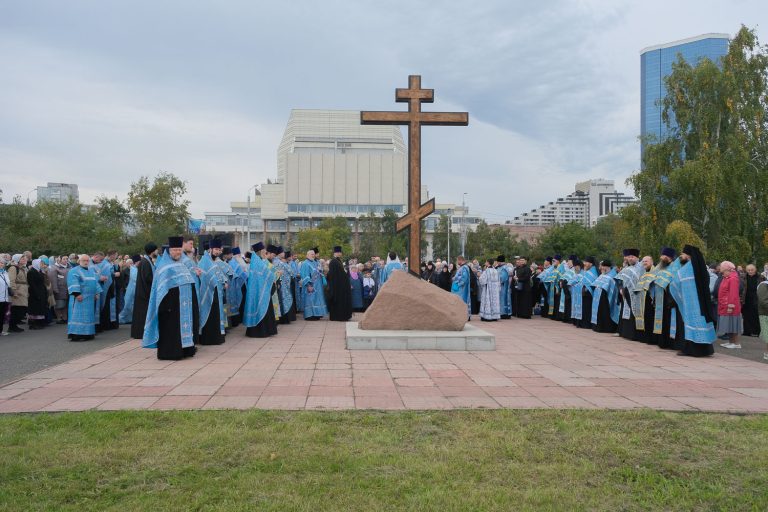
248, 230
449, 235
463, 224
33, 190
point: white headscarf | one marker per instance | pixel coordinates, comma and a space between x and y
36, 264
16, 258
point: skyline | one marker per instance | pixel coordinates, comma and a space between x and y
100, 95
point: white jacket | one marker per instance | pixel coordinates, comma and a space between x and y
4, 283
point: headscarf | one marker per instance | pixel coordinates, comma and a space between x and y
16, 258
36, 264
353, 271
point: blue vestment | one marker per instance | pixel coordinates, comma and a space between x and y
460, 287
505, 297
258, 292
235, 290
286, 277
82, 315
578, 283
606, 283
387, 271
211, 280
314, 301
126, 314
683, 290
297, 283
169, 273
106, 269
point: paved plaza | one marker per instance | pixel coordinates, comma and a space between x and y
538, 364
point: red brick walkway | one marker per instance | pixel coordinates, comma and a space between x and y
537, 364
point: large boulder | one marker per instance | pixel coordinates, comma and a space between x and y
407, 303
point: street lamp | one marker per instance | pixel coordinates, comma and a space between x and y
33, 190
248, 231
463, 224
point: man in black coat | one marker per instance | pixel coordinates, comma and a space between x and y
145, 273
339, 289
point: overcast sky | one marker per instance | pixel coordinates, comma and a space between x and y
100, 93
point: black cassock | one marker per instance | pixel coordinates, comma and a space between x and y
649, 314
586, 309
521, 290
141, 298
169, 329
565, 296
211, 333
473, 299
339, 292
627, 329
604, 321
268, 325
105, 324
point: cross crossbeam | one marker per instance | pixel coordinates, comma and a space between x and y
414, 118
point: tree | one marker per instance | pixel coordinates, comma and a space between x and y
566, 239
159, 207
711, 171
332, 231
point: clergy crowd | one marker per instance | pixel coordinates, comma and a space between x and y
177, 298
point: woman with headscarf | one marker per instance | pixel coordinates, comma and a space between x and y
356, 285
17, 275
5, 293
729, 306
37, 303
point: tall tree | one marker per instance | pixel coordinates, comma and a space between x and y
159, 206
440, 240
711, 171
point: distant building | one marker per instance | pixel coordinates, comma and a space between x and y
530, 234
329, 165
590, 201
59, 192
656, 64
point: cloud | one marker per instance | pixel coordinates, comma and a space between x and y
101, 93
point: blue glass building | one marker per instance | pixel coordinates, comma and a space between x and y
656, 64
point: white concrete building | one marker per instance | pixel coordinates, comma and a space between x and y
590, 201
59, 192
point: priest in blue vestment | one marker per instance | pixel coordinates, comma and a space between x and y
105, 272
505, 294
393, 264
605, 306
628, 279
259, 314
690, 289
170, 325
237, 287
83, 288
285, 277
212, 313
582, 308
460, 284
313, 288
126, 314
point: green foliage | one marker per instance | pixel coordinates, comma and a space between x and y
159, 206
712, 170
332, 231
440, 240
486, 242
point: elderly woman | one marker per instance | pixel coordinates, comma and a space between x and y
37, 302
729, 306
17, 275
356, 283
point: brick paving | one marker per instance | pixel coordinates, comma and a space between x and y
538, 364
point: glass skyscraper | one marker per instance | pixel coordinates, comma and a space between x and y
656, 64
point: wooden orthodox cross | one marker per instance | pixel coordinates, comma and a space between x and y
414, 95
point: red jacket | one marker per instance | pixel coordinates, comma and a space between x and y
729, 294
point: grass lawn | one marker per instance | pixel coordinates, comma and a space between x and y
318, 461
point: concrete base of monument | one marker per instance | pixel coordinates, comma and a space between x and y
470, 338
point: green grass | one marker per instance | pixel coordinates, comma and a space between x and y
318, 461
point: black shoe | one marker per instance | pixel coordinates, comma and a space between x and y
61, 322
15, 329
